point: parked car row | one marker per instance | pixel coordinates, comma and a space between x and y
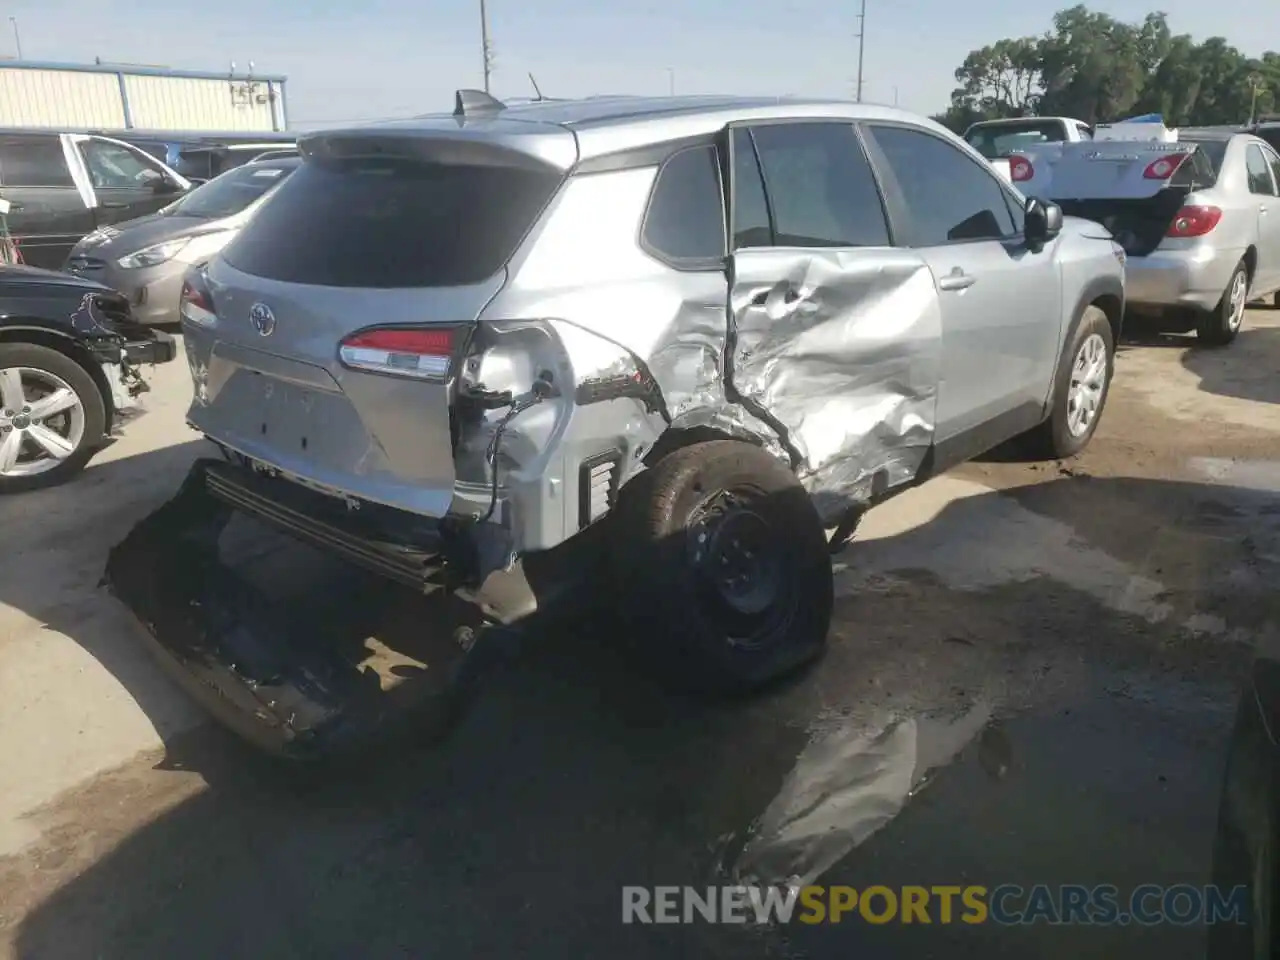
62, 186
1196, 211
124, 227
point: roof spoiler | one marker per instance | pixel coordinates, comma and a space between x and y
476, 103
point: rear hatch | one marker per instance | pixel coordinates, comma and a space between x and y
1133, 188
400, 240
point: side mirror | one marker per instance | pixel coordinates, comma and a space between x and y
1043, 221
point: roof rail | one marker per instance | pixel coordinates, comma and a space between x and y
473, 103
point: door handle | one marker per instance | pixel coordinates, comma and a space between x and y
789, 296
956, 280
1262, 209
113, 206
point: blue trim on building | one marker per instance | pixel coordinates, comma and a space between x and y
129, 70
124, 102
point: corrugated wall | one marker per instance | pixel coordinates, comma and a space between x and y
182, 103
75, 98
58, 98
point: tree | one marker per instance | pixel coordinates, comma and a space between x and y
1001, 80
1095, 68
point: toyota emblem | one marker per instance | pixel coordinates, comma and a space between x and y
263, 320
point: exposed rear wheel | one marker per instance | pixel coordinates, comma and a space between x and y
1080, 390
1219, 326
725, 561
52, 417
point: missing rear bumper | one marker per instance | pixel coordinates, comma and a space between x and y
303, 655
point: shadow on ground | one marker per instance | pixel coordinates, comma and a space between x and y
63, 535
1246, 369
1019, 730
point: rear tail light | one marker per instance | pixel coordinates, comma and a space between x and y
1020, 169
1194, 221
1165, 167
417, 352
196, 305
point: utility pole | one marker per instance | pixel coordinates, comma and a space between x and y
1255, 82
485, 46
17, 40
862, 35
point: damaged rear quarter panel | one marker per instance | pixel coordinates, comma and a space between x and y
843, 382
633, 308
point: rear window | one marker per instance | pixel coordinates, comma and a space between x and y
1205, 164
1271, 135
999, 140
392, 223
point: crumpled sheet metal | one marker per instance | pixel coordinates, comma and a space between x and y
845, 356
845, 787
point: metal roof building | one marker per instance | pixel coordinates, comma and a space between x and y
125, 96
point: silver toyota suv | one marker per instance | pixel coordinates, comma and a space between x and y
711, 329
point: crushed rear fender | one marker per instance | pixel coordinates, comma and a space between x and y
301, 653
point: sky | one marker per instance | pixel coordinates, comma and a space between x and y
370, 59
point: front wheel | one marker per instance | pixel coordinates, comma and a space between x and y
52, 417
1219, 326
1080, 389
724, 558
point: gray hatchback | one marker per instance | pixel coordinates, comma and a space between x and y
145, 259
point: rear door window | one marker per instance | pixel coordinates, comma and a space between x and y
33, 162
820, 187
685, 219
1273, 161
751, 224
949, 196
392, 222
1260, 179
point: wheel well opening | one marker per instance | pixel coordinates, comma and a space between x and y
73, 351
677, 438
1250, 262
1111, 305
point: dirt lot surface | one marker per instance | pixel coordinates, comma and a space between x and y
1059, 647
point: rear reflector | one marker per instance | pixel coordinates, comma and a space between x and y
425, 354
1020, 169
1164, 168
1194, 221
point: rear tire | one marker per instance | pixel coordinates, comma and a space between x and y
82, 425
722, 556
1219, 326
1080, 390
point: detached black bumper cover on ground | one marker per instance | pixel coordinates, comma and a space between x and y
328, 664
159, 347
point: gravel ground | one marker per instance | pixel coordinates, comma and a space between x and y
1058, 646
